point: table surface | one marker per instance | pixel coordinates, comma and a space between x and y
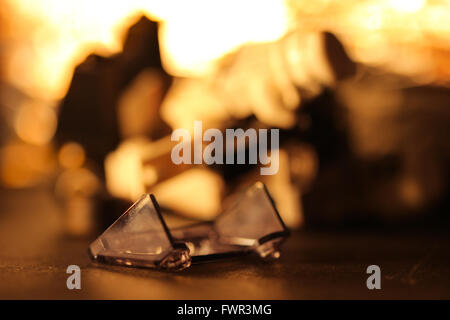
314, 265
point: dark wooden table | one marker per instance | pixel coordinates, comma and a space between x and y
34, 256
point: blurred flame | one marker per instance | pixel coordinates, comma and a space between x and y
71, 155
407, 6
53, 36
409, 37
49, 37
23, 165
197, 32
35, 123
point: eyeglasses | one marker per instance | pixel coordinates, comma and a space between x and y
141, 238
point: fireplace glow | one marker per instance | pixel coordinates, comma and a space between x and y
280, 63
49, 37
53, 36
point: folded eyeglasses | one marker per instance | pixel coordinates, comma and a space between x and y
141, 238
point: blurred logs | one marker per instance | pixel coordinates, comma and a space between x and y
268, 81
351, 150
89, 113
392, 162
110, 98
